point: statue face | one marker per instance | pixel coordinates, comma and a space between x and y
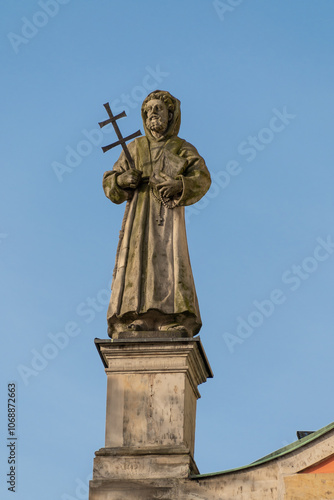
157, 116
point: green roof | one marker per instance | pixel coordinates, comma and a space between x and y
276, 454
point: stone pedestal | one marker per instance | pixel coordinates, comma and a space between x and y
151, 410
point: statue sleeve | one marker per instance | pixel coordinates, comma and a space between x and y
111, 189
196, 178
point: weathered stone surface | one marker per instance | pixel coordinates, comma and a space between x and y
151, 407
153, 286
152, 391
131, 490
144, 466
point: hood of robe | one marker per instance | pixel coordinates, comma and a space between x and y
173, 126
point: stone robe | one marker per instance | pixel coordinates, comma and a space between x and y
152, 277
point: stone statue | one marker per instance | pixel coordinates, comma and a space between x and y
153, 287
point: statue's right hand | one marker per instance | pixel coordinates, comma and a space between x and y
129, 179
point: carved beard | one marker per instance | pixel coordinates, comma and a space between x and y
156, 124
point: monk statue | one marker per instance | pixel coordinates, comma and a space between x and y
153, 287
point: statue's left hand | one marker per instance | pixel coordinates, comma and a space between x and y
169, 187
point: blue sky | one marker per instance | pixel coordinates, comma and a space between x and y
255, 80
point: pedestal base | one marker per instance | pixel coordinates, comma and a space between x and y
154, 463
151, 411
130, 490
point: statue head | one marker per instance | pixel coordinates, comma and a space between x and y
158, 112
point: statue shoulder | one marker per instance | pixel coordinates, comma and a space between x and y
188, 149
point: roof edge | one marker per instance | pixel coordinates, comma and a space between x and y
274, 455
